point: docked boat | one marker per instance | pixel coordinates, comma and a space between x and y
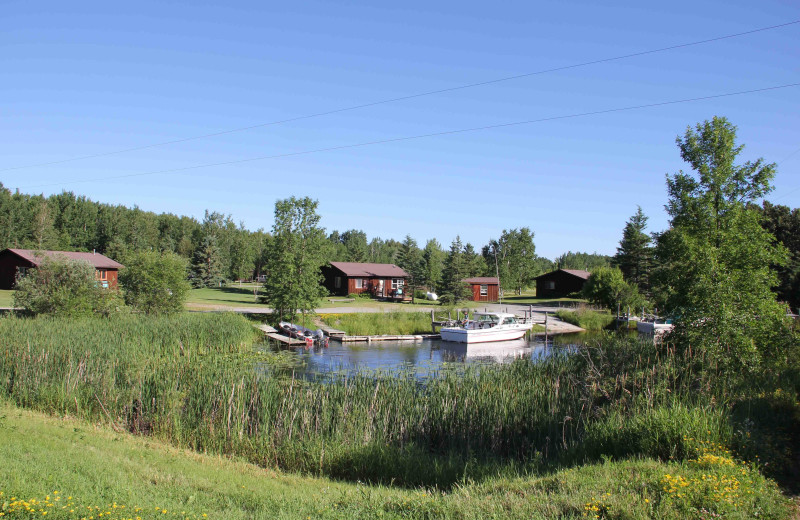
485, 327
654, 326
311, 337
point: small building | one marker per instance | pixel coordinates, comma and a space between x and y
561, 283
379, 280
484, 288
14, 263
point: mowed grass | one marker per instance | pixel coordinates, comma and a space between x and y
371, 324
529, 297
70, 468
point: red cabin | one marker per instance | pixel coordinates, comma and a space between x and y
15, 262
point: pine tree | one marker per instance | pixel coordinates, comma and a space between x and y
207, 266
634, 255
410, 259
455, 271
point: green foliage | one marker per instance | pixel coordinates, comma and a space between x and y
586, 318
606, 286
295, 259
634, 255
784, 224
433, 257
63, 287
155, 283
207, 264
584, 261
410, 259
515, 256
714, 263
377, 323
456, 269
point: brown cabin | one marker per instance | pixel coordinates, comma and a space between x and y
561, 283
379, 280
14, 263
484, 288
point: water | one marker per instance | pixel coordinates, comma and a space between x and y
419, 358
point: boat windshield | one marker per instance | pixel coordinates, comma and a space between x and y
510, 321
486, 319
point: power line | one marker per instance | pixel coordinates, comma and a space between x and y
781, 162
407, 97
420, 136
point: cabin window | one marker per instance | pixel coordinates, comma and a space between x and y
397, 283
550, 285
102, 274
484, 290
21, 272
338, 282
359, 283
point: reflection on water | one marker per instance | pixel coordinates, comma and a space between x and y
420, 358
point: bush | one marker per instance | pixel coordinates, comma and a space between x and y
607, 287
155, 283
63, 287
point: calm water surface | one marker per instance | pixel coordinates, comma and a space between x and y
421, 358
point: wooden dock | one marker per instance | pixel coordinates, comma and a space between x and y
286, 340
330, 331
370, 339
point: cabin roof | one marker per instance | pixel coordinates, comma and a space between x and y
574, 272
96, 259
483, 280
368, 270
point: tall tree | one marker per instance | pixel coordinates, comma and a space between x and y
515, 255
433, 256
409, 258
584, 261
784, 224
456, 269
295, 259
634, 255
207, 267
355, 245
715, 260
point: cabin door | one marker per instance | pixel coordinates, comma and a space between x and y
380, 288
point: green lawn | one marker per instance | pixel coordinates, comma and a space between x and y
529, 296
6, 298
70, 469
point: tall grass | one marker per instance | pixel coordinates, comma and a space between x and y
586, 318
191, 381
371, 324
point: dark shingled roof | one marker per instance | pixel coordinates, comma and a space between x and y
574, 272
367, 270
483, 280
96, 259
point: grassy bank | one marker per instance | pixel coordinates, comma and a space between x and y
369, 324
125, 476
6, 298
586, 318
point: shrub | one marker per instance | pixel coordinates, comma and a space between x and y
60, 286
155, 283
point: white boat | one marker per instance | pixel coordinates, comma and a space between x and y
654, 326
485, 327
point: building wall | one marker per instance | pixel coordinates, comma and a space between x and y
9, 262
493, 293
563, 284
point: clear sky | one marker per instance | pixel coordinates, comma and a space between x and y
87, 78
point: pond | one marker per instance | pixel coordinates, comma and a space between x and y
423, 357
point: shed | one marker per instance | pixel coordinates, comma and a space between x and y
15, 262
379, 280
484, 288
561, 282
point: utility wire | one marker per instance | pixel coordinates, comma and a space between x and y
781, 162
411, 96
420, 136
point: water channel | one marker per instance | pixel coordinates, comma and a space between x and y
422, 358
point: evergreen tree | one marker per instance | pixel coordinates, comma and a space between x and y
514, 257
634, 255
355, 246
295, 259
455, 271
410, 259
207, 268
433, 257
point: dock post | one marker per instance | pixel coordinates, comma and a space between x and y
433, 323
545, 329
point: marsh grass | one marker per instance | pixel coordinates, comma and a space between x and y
194, 382
586, 318
371, 324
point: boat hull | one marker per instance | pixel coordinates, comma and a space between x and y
469, 336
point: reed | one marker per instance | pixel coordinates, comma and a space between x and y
195, 382
586, 318
371, 324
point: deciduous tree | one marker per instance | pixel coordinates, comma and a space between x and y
155, 283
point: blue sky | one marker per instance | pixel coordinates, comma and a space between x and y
90, 78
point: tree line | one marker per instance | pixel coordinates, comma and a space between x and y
218, 249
